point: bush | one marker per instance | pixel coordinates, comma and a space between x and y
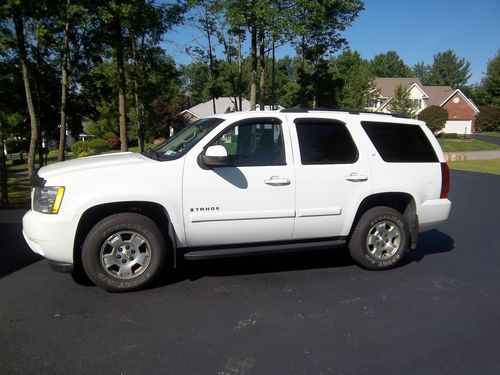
93, 147
109, 135
435, 117
450, 135
113, 143
488, 119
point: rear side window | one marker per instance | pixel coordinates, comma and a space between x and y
325, 142
400, 143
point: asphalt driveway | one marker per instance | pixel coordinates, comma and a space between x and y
302, 313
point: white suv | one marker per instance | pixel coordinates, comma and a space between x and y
238, 184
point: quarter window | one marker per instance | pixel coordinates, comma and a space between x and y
325, 142
400, 143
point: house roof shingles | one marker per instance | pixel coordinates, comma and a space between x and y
436, 94
386, 86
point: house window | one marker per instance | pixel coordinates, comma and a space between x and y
416, 103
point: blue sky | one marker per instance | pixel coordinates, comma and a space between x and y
416, 30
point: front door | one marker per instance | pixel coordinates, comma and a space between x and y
252, 199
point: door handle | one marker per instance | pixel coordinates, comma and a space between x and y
277, 181
354, 177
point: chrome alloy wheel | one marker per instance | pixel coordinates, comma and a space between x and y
383, 239
125, 254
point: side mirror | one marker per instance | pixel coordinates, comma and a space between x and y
215, 156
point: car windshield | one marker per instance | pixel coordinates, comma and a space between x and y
182, 142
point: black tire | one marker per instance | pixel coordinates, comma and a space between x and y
123, 252
380, 239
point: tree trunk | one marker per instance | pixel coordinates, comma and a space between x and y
21, 46
64, 87
262, 81
138, 102
302, 99
240, 74
3, 169
122, 84
253, 85
273, 72
208, 30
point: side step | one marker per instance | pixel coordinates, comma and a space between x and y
215, 253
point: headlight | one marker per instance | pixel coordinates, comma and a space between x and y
48, 199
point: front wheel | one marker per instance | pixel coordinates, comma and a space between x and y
123, 252
380, 239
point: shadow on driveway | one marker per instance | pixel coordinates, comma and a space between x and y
14, 250
429, 243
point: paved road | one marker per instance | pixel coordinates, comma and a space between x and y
487, 138
308, 313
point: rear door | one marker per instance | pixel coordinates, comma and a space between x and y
332, 177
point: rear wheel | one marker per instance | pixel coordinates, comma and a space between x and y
380, 239
123, 252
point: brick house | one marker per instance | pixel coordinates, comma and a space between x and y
462, 111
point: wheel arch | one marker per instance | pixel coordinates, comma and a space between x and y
404, 203
93, 215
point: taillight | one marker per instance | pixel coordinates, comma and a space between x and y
445, 180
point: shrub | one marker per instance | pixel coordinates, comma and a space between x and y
450, 135
435, 117
488, 119
93, 147
109, 135
113, 143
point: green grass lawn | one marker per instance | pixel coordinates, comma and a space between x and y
457, 145
19, 188
484, 166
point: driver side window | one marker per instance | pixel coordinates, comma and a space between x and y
252, 144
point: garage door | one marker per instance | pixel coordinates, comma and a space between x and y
458, 126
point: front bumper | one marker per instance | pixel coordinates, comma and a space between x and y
51, 236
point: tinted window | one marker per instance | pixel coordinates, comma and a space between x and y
325, 142
254, 144
400, 143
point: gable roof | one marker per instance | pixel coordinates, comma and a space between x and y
221, 106
433, 95
438, 94
469, 101
386, 86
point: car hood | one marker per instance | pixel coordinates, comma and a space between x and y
94, 162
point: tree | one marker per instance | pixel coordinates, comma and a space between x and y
401, 104
316, 28
64, 83
423, 71
449, 69
491, 82
435, 117
16, 12
355, 78
389, 64
488, 119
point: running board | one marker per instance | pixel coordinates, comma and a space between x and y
262, 249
